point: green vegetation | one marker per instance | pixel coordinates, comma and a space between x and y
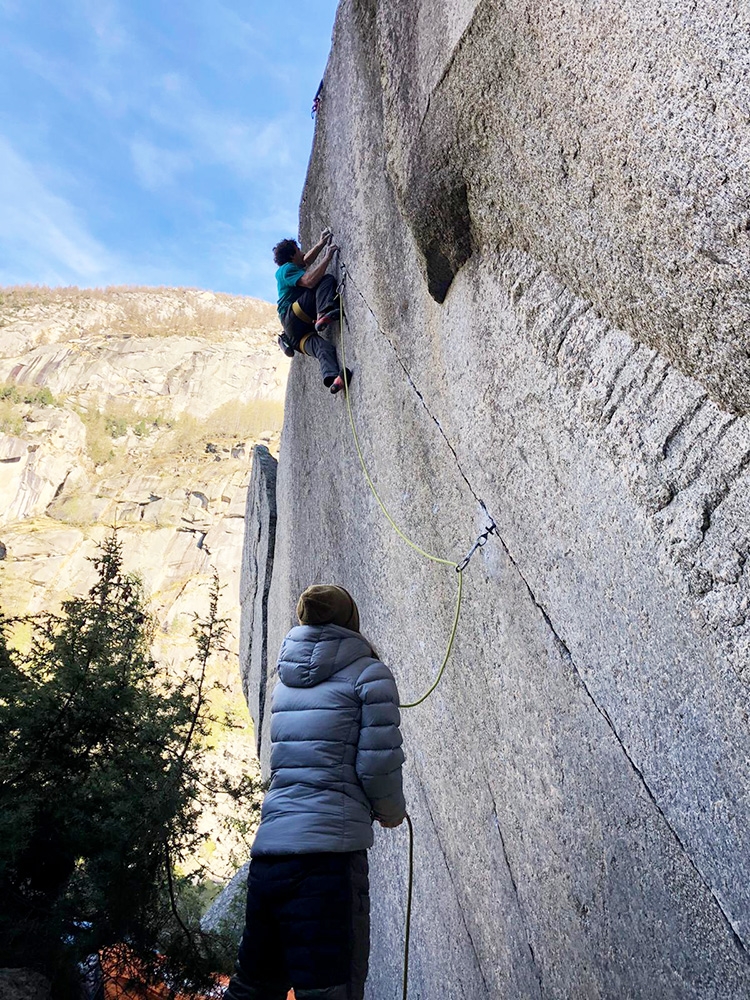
232, 421
27, 394
102, 782
11, 421
185, 435
13, 396
104, 427
98, 437
244, 421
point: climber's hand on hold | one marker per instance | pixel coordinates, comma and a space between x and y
391, 824
326, 235
332, 249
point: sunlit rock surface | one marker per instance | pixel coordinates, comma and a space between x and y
542, 213
157, 397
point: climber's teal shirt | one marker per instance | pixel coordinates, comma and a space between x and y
287, 277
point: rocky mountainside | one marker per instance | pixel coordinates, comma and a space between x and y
541, 208
134, 408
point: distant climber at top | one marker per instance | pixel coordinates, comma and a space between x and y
307, 304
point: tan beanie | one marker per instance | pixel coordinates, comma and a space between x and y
328, 605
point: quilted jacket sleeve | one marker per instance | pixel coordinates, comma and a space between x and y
379, 753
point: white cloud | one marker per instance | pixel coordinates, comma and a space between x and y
157, 168
42, 237
242, 146
245, 147
104, 18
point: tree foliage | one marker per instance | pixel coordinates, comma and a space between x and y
101, 783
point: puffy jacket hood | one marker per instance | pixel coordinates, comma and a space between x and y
311, 654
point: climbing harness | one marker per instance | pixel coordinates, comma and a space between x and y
459, 567
300, 313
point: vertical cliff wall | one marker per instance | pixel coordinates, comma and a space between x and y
543, 212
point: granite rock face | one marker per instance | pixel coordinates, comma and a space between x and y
539, 212
255, 585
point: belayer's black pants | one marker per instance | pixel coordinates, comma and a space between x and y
307, 927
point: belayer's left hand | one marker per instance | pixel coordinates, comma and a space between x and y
391, 824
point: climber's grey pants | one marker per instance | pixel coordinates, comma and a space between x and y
318, 347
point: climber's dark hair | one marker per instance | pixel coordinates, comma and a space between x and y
284, 251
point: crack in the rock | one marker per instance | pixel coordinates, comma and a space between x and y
685, 420
717, 496
566, 324
268, 479
611, 402
663, 373
416, 389
527, 935
262, 679
649, 366
568, 658
559, 641
455, 891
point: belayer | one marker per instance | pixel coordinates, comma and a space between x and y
336, 762
308, 304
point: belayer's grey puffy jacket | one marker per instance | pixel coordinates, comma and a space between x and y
336, 746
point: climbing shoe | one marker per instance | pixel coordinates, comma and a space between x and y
325, 319
286, 346
338, 383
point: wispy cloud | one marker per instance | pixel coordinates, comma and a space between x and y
106, 23
42, 233
246, 146
243, 146
157, 168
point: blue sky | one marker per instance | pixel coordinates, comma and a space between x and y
154, 143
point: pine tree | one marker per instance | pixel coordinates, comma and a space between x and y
100, 782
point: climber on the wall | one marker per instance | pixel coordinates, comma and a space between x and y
307, 304
336, 762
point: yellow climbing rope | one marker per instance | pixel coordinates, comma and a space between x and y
396, 528
459, 568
